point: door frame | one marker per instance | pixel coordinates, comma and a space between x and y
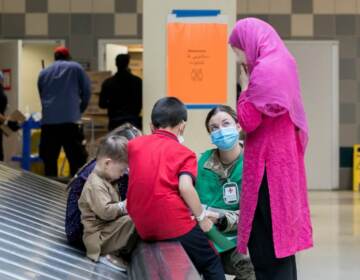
28, 41
102, 48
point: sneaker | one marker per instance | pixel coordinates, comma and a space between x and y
114, 262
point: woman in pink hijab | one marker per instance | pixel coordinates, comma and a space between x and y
275, 218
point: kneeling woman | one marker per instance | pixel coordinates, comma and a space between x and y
219, 184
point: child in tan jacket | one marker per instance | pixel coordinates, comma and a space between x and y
108, 230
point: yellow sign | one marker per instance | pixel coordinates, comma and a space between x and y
197, 62
356, 168
356, 214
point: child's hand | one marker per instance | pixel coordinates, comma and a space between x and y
122, 206
206, 224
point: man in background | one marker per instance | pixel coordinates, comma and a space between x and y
64, 92
3, 104
121, 95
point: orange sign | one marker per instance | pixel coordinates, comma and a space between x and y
197, 62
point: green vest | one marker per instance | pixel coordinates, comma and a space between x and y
209, 185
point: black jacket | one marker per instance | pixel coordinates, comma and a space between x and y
121, 95
3, 100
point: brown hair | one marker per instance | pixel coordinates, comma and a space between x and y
126, 130
114, 147
217, 109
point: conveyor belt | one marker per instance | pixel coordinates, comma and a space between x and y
32, 239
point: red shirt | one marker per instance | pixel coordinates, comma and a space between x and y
153, 200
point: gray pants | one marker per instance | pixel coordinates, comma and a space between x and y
238, 265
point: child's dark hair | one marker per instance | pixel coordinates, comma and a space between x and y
126, 130
114, 147
217, 109
168, 112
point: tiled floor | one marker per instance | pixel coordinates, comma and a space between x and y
336, 223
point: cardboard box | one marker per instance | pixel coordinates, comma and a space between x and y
16, 116
97, 78
93, 107
95, 127
136, 63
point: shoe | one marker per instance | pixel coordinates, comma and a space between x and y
114, 262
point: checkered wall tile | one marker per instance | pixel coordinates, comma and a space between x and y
80, 22
83, 22
323, 20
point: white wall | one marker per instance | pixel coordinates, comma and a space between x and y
9, 59
32, 55
154, 40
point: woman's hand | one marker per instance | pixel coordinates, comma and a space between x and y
213, 216
206, 224
244, 77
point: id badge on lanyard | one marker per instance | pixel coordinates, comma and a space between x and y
230, 193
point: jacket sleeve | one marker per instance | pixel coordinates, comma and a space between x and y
138, 96
3, 101
85, 90
39, 83
248, 116
104, 96
102, 204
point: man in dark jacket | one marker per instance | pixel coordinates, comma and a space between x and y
121, 95
3, 104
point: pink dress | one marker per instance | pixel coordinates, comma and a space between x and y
273, 143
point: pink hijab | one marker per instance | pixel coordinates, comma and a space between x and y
274, 86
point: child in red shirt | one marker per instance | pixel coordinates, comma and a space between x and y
161, 198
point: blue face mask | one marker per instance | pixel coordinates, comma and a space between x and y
225, 138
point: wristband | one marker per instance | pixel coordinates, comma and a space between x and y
201, 217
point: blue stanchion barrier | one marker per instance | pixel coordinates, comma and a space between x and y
26, 157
